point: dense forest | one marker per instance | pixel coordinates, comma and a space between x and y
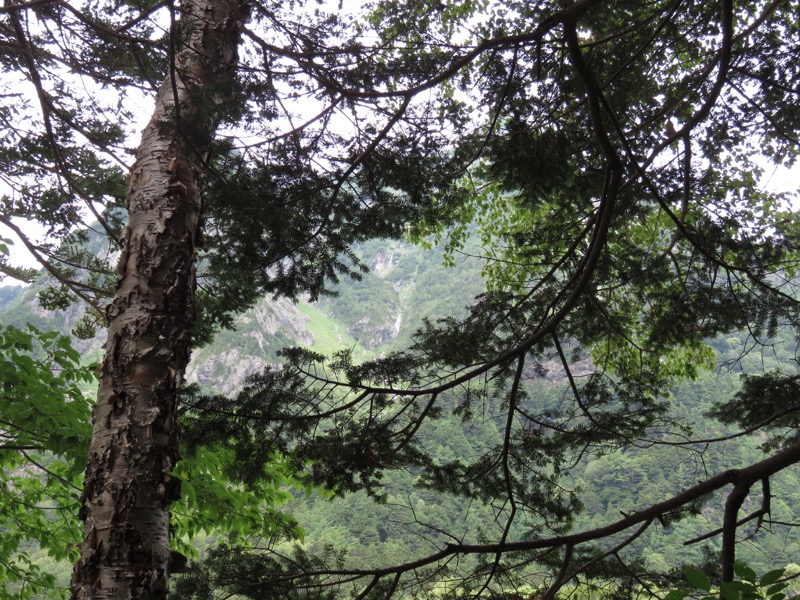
406, 286
587, 388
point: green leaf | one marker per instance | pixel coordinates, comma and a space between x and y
190, 492
778, 587
729, 591
771, 576
697, 579
745, 572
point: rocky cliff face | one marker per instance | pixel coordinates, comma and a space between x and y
374, 335
374, 309
222, 366
226, 372
378, 314
225, 365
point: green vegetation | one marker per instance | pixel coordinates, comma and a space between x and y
410, 520
45, 412
328, 335
589, 380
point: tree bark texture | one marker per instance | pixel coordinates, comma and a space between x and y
128, 488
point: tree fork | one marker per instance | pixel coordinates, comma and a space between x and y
128, 487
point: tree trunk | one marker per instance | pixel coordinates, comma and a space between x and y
128, 488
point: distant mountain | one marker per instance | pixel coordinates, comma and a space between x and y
405, 285
9, 293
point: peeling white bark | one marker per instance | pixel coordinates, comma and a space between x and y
128, 489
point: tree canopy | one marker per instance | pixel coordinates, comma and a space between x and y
609, 156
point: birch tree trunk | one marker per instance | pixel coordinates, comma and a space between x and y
128, 488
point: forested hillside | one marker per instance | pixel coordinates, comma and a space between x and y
618, 396
375, 314
406, 286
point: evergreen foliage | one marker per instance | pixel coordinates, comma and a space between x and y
605, 154
618, 207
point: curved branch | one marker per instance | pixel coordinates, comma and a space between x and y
567, 15
72, 285
739, 478
45, 105
562, 576
730, 524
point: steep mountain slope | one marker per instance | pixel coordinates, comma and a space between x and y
406, 284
